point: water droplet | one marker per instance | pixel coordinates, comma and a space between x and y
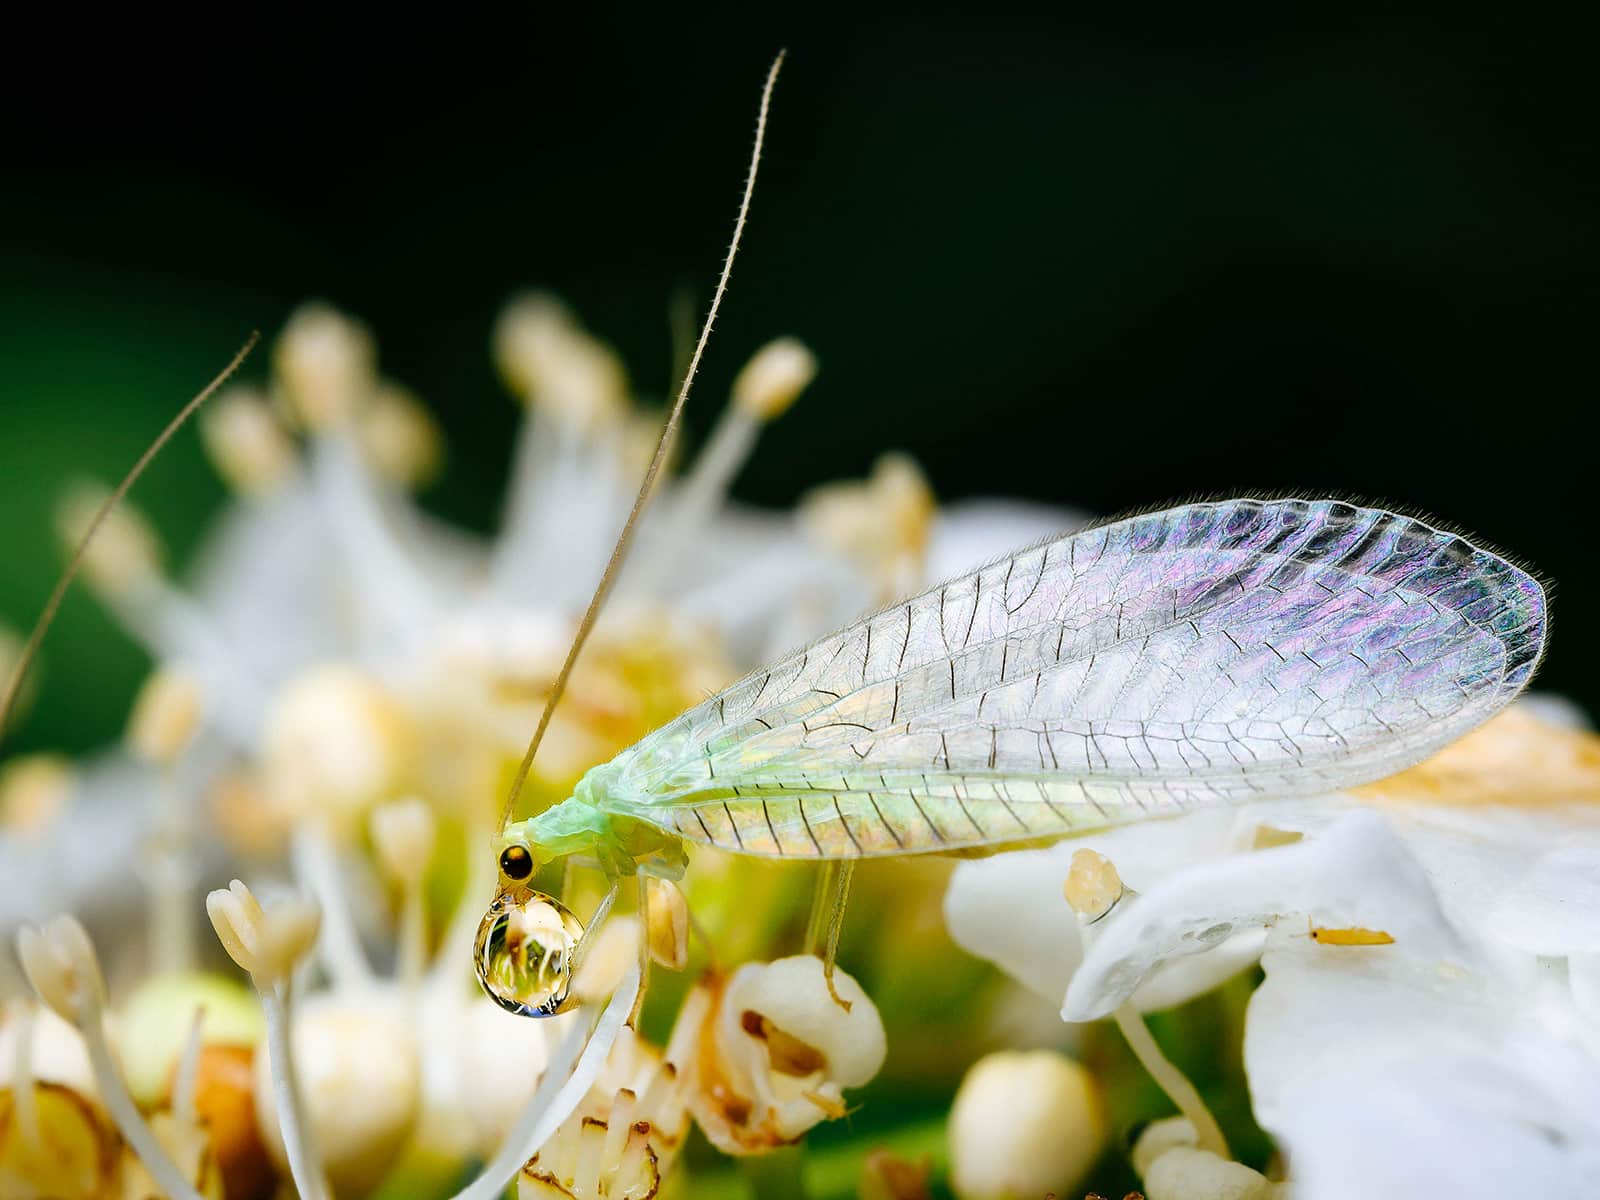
524, 953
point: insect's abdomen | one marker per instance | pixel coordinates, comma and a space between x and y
916, 820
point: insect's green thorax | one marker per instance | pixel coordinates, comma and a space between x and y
586, 825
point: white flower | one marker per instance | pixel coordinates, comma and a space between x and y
778, 1051
480, 1064
620, 1143
1460, 1058
330, 625
341, 652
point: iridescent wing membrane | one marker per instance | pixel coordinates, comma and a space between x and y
1212, 653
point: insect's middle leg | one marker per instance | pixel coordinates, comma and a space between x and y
644, 950
827, 919
597, 919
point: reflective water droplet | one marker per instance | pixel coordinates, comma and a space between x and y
524, 953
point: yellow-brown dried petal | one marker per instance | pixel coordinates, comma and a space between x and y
74, 1155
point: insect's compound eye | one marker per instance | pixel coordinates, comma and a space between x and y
516, 863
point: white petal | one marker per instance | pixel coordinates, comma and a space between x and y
1009, 908
1357, 873
1525, 878
1554, 909
1385, 1076
267, 575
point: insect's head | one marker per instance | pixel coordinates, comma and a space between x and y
527, 941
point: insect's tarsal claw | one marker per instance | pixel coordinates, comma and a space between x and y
827, 976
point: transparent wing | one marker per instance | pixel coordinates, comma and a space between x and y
1208, 654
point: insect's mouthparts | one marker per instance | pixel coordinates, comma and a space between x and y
524, 956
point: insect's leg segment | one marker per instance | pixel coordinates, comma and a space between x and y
644, 950
711, 951
827, 919
601, 912
819, 907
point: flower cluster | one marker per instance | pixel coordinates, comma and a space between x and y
342, 686
342, 690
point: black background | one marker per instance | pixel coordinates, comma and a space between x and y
1100, 260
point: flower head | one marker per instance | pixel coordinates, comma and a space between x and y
620, 1143
267, 943
342, 684
777, 1052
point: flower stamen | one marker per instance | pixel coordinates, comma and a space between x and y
61, 964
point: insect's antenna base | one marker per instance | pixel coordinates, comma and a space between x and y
30, 648
663, 444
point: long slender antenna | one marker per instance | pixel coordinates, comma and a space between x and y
30, 648
663, 443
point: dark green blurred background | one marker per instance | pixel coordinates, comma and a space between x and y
1092, 261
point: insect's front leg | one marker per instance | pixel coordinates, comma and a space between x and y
644, 946
601, 912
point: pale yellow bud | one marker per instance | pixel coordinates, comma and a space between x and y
336, 742
59, 961
325, 362
772, 380
1093, 886
526, 334
155, 1021
586, 386
610, 951
165, 716
245, 440
1158, 1137
249, 822
403, 835
1024, 1123
125, 550
34, 788
360, 1081
669, 924
548, 360
401, 438
902, 490
883, 524
1191, 1174
266, 943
